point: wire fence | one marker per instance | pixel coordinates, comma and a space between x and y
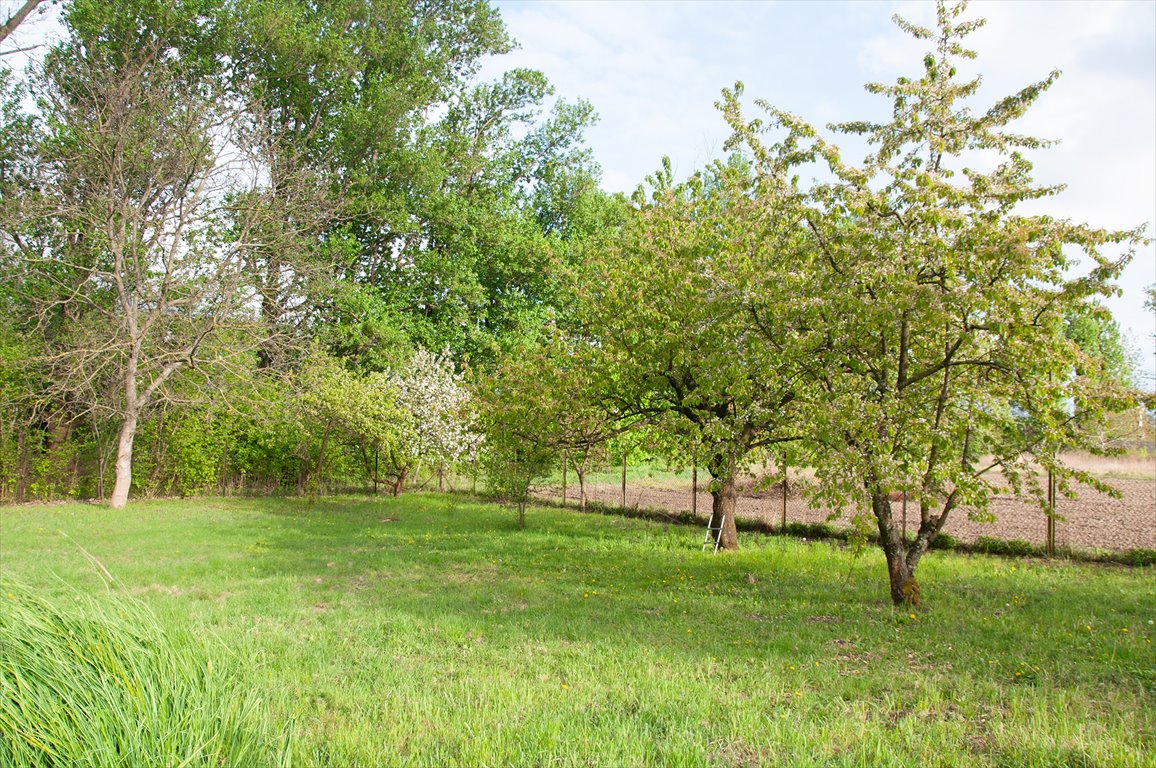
1091, 521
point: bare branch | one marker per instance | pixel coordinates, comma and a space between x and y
17, 18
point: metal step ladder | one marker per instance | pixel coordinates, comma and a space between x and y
711, 528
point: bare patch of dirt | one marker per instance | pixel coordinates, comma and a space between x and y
159, 589
739, 754
1092, 520
472, 576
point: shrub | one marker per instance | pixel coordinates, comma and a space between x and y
812, 530
1013, 547
1138, 557
1021, 548
101, 683
944, 541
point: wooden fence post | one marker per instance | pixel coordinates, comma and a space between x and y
624, 478
694, 489
1050, 547
563, 479
783, 521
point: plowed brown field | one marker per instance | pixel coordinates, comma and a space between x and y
1091, 520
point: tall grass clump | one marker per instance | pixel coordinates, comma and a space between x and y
101, 682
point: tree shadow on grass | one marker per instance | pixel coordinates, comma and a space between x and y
441, 560
569, 577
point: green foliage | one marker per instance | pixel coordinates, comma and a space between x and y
103, 682
668, 313
527, 420
357, 326
811, 531
351, 219
446, 228
339, 95
944, 540
335, 404
1139, 558
122, 35
1014, 547
16, 130
499, 228
1105, 352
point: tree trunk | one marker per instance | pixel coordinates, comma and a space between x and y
376, 467
904, 587
723, 498
132, 406
271, 311
225, 466
18, 16
1050, 547
399, 483
101, 460
580, 470
6, 474
694, 491
22, 478
124, 459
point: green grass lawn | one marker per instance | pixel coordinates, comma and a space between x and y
449, 637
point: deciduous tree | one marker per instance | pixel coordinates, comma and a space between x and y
943, 306
669, 309
125, 262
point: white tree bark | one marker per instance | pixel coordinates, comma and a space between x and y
124, 460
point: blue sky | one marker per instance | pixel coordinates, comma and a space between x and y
654, 69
